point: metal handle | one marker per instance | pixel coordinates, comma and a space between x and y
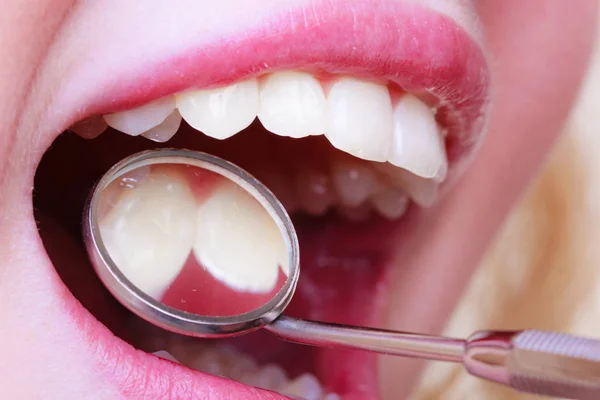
545, 363
378, 340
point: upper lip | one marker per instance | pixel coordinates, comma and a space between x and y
420, 50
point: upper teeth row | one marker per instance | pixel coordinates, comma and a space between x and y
357, 117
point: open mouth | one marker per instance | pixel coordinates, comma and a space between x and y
356, 131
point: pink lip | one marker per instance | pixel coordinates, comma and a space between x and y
418, 49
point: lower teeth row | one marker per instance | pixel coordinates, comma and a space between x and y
228, 363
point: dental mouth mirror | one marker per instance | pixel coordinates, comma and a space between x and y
195, 245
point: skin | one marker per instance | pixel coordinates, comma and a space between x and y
538, 54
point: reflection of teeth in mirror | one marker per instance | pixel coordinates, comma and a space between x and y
110, 195
149, 231
238, 242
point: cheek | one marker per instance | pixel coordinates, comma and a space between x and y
539, 54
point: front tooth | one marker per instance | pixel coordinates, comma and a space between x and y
353, 182
417, 145
166, 130
238, 242
305, 386
223, 112
149, 231
390, 203
292, 104
360, 120
424, 192
90, 128
141, 119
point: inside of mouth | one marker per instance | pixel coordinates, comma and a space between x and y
343, 209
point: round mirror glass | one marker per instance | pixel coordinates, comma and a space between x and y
195, 234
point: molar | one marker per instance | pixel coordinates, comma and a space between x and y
150, 230
390, 203
354, 181
314, 192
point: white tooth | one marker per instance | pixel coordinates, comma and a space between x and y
390, 203
240, 367
269, 377
360, 120
305, 386
353, 181
238, 242
292, 104
166, 130
423, 191
223, 112
150, 229
111, 194
223, 361
165, 354
90, 128
141, 119
210, 362
418, 146
314, 191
